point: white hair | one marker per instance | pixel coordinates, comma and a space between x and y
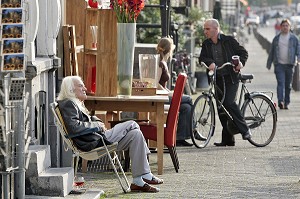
67, 91
67, 88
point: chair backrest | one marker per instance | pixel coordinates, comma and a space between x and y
90, 155
173, 113
61, 127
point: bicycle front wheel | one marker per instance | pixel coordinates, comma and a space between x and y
203, 121
261, 117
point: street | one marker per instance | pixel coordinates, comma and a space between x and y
242, 171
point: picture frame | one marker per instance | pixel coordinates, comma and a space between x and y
13, 62
12, 16
11, 3
12, 31
12, 46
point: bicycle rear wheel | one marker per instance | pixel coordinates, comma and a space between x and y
261, 117
203, 121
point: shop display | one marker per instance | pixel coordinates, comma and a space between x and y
12, 36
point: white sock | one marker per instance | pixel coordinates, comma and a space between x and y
138, 181
148, 176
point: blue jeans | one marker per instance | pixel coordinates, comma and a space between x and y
284, 76
184, 120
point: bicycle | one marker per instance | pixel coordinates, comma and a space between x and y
182, 64
257, 108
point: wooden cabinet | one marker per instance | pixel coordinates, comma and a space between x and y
100, 61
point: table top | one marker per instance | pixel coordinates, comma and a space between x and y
153, 98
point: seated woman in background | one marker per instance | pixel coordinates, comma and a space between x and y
165, 49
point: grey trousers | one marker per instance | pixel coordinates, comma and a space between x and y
129, 137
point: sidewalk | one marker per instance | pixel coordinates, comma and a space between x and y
243, 171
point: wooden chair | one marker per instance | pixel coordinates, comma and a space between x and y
70, 50
150, 130
93, 154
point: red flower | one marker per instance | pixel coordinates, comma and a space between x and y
127, 10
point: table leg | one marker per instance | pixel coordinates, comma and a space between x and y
160, 136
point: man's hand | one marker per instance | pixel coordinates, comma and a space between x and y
102, 125
212, 66
238, 67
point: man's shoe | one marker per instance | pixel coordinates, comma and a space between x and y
183, 143
145, 188
224, 144
281, 105
247, 135
198, 136
155, 180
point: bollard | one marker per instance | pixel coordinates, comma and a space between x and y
296, 81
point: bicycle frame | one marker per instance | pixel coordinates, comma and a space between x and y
212, 92
243, 96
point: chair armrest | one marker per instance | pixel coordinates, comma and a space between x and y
88, 131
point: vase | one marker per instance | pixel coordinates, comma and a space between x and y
126, 33
94, 30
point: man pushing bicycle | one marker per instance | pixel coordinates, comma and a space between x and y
218, 49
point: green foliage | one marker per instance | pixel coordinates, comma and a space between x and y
202, 16
103, 196
195, 14
149, 16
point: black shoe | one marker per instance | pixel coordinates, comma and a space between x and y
183, 143
198, 136
247, 135
286, 107
281, 105
224, 144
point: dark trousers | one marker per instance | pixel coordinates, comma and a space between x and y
284, 76
232, 107
184, 119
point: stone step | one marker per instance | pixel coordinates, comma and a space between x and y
90, 194
39, 159
45, 181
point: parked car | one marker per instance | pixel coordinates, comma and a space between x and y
252, 20
295, 24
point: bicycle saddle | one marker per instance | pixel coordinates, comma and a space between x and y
244, 77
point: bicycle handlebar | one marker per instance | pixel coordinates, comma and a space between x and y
212, 72
218, 68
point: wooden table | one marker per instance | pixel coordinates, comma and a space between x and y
136, 104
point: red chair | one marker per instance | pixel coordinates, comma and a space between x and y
150, 131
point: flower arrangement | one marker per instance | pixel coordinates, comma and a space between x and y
127, 10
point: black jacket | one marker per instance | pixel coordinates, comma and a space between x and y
77, 121
230, 47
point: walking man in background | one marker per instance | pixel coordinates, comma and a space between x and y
283, 54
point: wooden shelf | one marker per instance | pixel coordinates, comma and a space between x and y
104, 57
